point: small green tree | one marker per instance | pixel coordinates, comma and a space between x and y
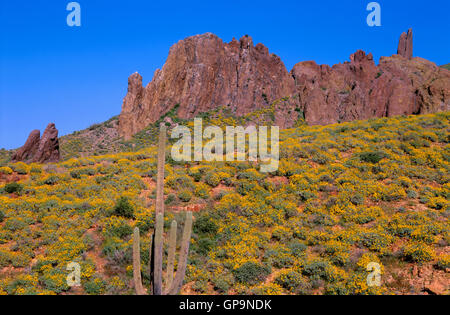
124, 208
13, 188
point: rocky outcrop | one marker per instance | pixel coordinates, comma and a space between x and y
48, 150
361, 90
405, 45
203, 73
40, 150
29, 149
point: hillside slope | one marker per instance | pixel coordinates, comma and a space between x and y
345, 195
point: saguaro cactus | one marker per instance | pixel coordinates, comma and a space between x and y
173, 284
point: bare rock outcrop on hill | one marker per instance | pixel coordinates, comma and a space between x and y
40, 150
48, 150
361, 90
202, 73
29, 149
405, 45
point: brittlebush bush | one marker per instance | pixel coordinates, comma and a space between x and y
6, 170
418, 252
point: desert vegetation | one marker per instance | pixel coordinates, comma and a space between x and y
344, 195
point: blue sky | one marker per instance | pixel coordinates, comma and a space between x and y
74, 77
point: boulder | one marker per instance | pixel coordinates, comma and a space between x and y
48, 151
29, 149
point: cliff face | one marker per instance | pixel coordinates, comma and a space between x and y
361, 90
202, 72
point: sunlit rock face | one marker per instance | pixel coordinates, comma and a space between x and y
202, 73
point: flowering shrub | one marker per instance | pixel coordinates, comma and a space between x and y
6, 170
418, 252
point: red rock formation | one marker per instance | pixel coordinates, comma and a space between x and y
362, 90
405, 45
48, 150
202, 73
29, 149
39, 150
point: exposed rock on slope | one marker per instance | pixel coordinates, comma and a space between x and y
202, 73
39, 150
29, 149
405, 45
361, 90
48, 150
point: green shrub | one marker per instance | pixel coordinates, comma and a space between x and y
316, 270
185, 195
13, 188
372, 156
292, 280
221, 285
244, 187
251, 273
95, 286
418, 252
200, 286
124, 208
443, 262
223, 282
51, 180
202, 191
297, 248
204, 246
212, 179
279, 256
205, 225
170, 198
21, 168
76, 174
54, 279
15, 224
6, 170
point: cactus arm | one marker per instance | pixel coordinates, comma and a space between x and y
181, 271
137, 263
157, 262
171, 256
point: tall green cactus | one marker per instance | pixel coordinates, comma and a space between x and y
171, 255
173, 284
